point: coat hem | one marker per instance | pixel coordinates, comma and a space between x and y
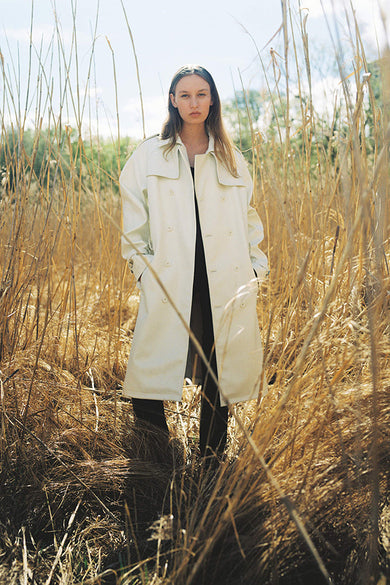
155, 396
174, 398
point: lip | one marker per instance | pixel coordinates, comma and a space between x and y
195, 114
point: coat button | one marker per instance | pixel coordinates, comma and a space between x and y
243, 305
236, 268
230, 233
171, 192
167, 263
170, 228
164, 300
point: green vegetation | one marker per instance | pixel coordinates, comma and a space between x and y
49, 155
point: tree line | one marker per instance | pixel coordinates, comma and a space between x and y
45, 157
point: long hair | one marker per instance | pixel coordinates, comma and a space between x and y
224, 148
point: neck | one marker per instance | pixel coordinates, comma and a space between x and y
193, 133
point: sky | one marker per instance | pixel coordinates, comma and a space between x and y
225, 36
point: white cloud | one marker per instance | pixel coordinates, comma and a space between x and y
326, 93
317, 8
368, 15
155, 110
43, 33
94, 92
130, 119
22, 35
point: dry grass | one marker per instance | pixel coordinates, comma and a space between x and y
303, 496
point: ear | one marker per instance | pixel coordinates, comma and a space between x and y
173, 101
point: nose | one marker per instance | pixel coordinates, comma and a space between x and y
194, 101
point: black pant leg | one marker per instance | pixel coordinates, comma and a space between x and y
150, 411
213, 416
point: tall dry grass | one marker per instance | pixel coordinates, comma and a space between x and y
87, 496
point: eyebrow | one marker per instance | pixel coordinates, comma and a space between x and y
186, 90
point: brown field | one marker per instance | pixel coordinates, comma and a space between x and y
303, 496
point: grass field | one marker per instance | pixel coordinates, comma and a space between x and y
303, 496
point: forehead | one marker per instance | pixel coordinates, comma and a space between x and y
192, 83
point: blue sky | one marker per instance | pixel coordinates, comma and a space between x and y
167, 35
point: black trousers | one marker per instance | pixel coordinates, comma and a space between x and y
213, 416
213, 420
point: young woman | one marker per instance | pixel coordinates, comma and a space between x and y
187, 218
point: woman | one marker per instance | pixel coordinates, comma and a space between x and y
187, 218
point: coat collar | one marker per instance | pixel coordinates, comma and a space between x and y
168, 165
179, 143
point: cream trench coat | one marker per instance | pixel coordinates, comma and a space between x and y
159, 220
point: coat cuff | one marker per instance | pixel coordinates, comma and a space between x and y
261, 272
137, 264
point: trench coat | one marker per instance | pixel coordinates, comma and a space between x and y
159, 232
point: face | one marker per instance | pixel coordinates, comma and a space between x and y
192, 98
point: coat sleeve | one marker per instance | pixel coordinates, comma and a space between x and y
136, 244
255, 227
255, 236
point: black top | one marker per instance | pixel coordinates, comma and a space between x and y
200, 260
